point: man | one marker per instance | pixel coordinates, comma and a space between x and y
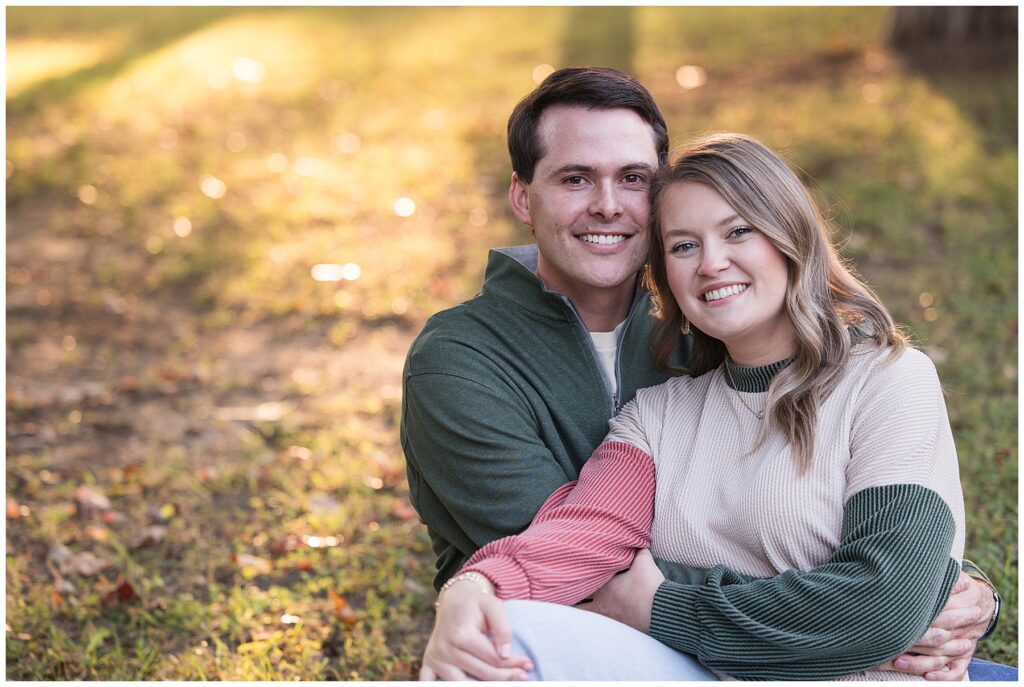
506, 395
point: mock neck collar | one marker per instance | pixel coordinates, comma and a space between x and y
751, 379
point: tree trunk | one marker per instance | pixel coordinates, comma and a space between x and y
928, 28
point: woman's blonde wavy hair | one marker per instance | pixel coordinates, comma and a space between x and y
830, 307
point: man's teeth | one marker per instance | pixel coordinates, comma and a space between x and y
603, 239
724, 292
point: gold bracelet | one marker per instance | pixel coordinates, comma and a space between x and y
474, 576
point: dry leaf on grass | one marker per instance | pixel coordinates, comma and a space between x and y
91, 501
256, 563
121, 593
341, 610
148, 536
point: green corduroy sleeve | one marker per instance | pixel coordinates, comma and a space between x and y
889, 578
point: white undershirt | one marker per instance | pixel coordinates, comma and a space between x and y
605, 343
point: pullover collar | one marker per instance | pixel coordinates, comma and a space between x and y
752, 379
512, 274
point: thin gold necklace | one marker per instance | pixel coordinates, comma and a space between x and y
739, 394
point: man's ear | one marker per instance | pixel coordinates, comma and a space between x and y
519, 199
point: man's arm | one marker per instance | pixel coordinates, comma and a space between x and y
477, 467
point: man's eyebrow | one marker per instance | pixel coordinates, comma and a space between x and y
570, 169
579, 168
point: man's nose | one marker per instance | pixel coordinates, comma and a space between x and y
606, 202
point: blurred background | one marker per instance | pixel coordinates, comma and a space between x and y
226, 225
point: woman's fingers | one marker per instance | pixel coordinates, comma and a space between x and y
427, 674
482, 670
497, 622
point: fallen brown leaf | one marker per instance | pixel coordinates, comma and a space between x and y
341, 610
91, 501
87, 564
290, 542
58, 559
147, 536
256, 563
122, 593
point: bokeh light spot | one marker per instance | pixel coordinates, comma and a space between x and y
541, 72
690, 76
44, 297
277, 163
871, 92
478, 217
212, 186
399, 306
88, 194
405, 207
289, 619
154, 244
926, 299
182, 226
348, 143
931, 314
351, 271
248, 70
69, 343
236, 142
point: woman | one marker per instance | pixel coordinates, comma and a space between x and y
805, 466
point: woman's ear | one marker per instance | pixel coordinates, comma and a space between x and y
519, 199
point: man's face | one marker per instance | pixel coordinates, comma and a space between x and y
588, 201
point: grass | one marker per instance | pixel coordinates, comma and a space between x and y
174, 176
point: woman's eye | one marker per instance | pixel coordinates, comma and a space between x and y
683, 247
740, 231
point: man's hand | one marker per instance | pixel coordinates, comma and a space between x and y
459, 646
945, 650
629, 596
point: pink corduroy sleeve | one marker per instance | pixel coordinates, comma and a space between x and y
584, 533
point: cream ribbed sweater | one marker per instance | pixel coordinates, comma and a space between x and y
854, 558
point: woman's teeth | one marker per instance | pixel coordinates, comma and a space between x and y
724, 292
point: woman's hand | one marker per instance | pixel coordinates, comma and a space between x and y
472, 637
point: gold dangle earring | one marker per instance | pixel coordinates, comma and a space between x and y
685, 326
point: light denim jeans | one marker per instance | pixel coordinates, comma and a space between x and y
566, 643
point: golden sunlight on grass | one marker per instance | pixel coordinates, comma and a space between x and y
33, 60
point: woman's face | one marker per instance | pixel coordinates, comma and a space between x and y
727, 277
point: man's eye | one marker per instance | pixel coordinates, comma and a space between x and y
634, 178
574, 180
